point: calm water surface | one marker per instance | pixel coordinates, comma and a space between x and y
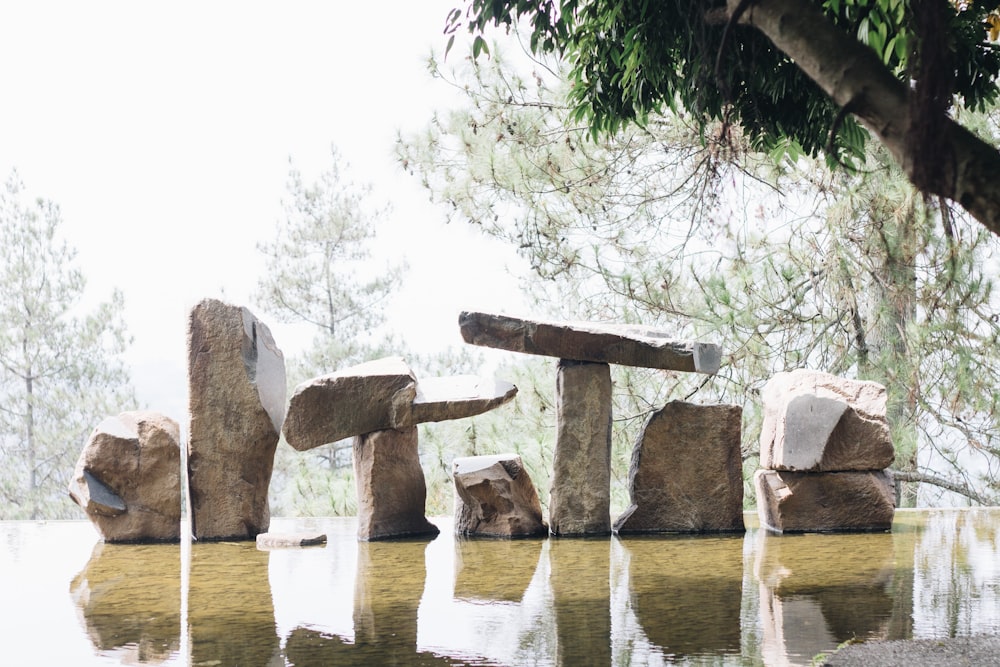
754, 599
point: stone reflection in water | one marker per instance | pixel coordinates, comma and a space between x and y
230, 611
686, 592
820, 590
387, 591
129, 597
495, 570
580, 577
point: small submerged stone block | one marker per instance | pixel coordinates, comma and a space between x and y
829, 501
392, 492
686, 473
588, 341
236, 381
495, 497
280, 541
128, 478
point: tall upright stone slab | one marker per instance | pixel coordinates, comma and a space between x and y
580, 496
236, 382
686, 474
392, 492
128, 478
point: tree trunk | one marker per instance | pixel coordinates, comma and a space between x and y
856, 80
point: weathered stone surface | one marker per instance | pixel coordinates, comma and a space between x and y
495, 497
392, 492
457, 397
686, 472
236, 378
819, 422
280, 541
827, 501
586, 341
372, 396
580, 496
128, 478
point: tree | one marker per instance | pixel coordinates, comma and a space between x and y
60, 374
319, 272
785, 267
794, 78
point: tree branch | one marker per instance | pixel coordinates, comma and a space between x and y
941, 482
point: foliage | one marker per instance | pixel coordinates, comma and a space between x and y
689, 230
60, 373
633, 61
320, 272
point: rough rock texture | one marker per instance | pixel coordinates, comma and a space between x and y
819, 422
372, 396
236, 377
687, 472
456, 397
128, 478
392, 492
580, 497
603, 343
494, 497
267, 541
830, 501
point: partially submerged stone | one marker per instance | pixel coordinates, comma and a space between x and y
601, 343
580, 496
687, 472
815, 421
372, 396
281, 541
236, 378
495, 497
392, 492
458, 396
128, 478
828, 501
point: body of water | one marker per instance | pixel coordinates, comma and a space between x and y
753, 599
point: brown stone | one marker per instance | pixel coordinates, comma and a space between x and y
601, 343
372, 396
819, 422
392, 492
686, 472
494, 497
128, 478
236, 377
826, 501
457, 397
580, 497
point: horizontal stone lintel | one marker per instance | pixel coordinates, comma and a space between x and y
626, 345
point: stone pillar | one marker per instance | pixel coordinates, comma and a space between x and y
686, 474
236, 381
580, 498
392, 492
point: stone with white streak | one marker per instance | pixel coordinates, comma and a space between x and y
236, 382
818, 422
456, 397
128, 478
495, 497
587, 341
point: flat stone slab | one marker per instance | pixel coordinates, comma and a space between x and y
281, 541
588, 341
372, 396
458, 396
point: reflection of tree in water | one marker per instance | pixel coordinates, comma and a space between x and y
129, 597
956, 588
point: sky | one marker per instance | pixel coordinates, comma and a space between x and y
164, 132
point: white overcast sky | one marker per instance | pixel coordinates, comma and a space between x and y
163, 130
